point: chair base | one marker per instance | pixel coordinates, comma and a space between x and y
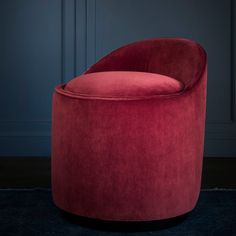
123, 226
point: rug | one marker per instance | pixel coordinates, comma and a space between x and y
31, 212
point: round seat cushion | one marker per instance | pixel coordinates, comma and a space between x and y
123, 84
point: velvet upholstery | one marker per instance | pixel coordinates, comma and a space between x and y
126, 152
122, 85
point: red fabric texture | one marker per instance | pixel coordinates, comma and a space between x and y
132, 159
122, 85
176, 58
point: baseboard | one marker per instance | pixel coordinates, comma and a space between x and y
25, 172
29, 172
219, 172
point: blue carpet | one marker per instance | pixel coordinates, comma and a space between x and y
31, 212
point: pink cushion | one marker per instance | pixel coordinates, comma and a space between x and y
123, 84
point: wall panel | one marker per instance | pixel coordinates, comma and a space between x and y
43, 43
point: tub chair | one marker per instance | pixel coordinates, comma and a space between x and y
128, 134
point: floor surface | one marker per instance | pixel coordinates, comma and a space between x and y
32, 212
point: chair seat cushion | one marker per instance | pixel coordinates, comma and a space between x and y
123, 84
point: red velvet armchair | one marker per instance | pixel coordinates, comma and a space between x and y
128, 134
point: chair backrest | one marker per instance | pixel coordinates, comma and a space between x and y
178, 58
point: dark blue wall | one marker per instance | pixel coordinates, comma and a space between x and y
44, 43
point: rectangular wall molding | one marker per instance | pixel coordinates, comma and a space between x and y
71, 35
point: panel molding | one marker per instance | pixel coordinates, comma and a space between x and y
91, 32
233, 61
221, 136
85, 34
68, 65
68, 39
25, 137
81, 36
78, 52
223, 132
232, 69
91, 50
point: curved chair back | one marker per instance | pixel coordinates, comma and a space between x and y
181, 59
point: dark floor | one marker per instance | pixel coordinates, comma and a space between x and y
31, 212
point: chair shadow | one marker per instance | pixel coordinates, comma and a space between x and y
123, 226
